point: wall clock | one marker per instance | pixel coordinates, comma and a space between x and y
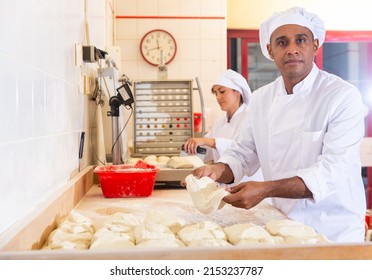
157, 43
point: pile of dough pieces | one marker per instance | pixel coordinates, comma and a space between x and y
160, 229
174, 162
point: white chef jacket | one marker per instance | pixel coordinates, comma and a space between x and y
224, 132
315, 134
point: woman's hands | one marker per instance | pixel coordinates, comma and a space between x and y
192, 144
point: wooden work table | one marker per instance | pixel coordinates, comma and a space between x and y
84, 196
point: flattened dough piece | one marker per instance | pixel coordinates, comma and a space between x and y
123, 222
172, 222
104, 238
199, 231
187, 162
148, 231
205, 194
249, 232
287, 227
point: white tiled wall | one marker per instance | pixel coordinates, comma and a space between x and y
201, 43
42, 110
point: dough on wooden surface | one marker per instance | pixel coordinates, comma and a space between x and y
104, 238
287, 227
304, 240
187, 162
164, 243
209, 243
72, 227
123, 222
152, 159
205, 194
133, 161
250, 232
148, 231
163, 161
61, 239
203, 230
159, 217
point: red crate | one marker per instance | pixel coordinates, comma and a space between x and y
127, 180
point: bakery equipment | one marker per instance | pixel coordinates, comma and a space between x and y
163, 116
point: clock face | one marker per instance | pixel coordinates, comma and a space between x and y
157, 45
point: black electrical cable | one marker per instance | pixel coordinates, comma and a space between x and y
128, 107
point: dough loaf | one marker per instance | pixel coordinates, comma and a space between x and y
205, 194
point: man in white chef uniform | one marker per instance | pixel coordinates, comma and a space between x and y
304, 130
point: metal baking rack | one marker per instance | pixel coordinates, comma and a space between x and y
163, 116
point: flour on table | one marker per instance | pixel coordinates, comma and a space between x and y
205, 194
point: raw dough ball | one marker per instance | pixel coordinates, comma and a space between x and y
171, 243
188, 162
304, 240
60, 239
151, 160
133, 161
172, 222
199, 231
123, 222
255, 241
205, 194
163, 161
249, 232
107, 239
209, 243
74, 232
287, 227
148, 231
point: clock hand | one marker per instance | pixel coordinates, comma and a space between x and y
153, 49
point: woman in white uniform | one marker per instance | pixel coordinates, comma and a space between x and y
304, 130
233, 94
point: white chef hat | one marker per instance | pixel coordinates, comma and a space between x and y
234, 80
293, 15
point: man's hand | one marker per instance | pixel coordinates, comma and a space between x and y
246, 195
218, 172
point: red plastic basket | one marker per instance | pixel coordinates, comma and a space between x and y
127, 180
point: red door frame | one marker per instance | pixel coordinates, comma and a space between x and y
252, 36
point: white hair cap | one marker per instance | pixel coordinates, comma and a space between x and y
293, 15
234, 80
